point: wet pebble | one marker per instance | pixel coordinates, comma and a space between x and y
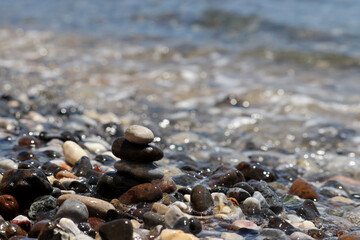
152, 219
146, 192
29, 141
226, 178
238, 193
256, 171
74, 210
120, 229
139, 134
245, 186
201, 199
82, 167
281, 224
246, 224
42, 206
9, 207
272, 234
271, 197
166, 184
95, 206
185, 179
303, 189
251, 206
182, 224
124, 149
195, 225
308, 210
73, 152
25, 185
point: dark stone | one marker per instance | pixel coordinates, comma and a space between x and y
82, 167
29, 164
50, 154
184, 179
246, 187
26, 155
195, 225
25, 185
112, 185
319, 234
308, 210
78, 187
37, 227
238, 193
271, 197
145, 192
201, 198
226, 177
120, 229
168, 199
272, 234
9, 207
88, 228
50, 230
146, 171
74, 210
219, 189
136, 152
42, 205
152, 219
13, 230
105, 160
139, 212
52, 168
113, 214
166, 184
183, 224
179, 196
281, 224
29, 141
256, 171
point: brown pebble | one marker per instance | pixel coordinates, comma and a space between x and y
146, 192
166, 184
303, 189
95, 223
29, 141
26, 155
13, 230
9, 207
350, 236
65, 174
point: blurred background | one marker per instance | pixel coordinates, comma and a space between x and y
279, 75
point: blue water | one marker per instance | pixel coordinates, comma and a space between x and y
307, 25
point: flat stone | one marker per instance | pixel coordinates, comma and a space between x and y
201, 198
25, 185
120, 229
95, 206
146, 192
73, 152
147, 171
124, 149
74, 210
139, 134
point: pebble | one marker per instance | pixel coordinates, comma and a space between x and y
42, 206
238, 193
146, 192
300, 236
8, 164
82, 167
201, 199
37, 227
52, 230
185, 179
29, 141
279, 223
261, 199
124, 149
169, 234
303, 189
95, 206
139, 134
251, 206
226, 178
146, 171
152, 219
166, 184
246, 224
74, 210
271, 197
231, 236
73, 152
245, 186
308, 210
195, 225
23, 222
182, 224
173, 215
120, 229
95, 147
256, 171
342, 200
25, 185
9, 207
160, 208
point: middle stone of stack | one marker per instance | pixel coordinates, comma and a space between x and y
137, 155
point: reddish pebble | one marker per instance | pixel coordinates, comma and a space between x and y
146, 192
95, 222
349, 236
9, 207
166, 184
23, 222
29, 141
303, 189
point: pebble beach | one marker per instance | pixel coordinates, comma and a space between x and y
179, 121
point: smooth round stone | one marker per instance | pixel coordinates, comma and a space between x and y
41, 206
74, 210
9, 207
82, 167
95, 206
124, 149
51, 230
201, 198
8, 164
256, 171
29, 141
13, 230
185, 179
182, 224
170, 234
147, 171
246, 187
246, 224
226, 178
25, 185
195, 225
146, 192
120, 229
303, 189
251, 206
308, 210
238, 193
139, 134
152, 219
73, 152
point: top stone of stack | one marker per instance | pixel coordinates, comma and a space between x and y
139, 134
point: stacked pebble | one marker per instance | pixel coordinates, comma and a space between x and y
137, 162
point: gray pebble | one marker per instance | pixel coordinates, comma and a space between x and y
147, 171
73, 209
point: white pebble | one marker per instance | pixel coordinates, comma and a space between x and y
139, 134
8, 164
73, 152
